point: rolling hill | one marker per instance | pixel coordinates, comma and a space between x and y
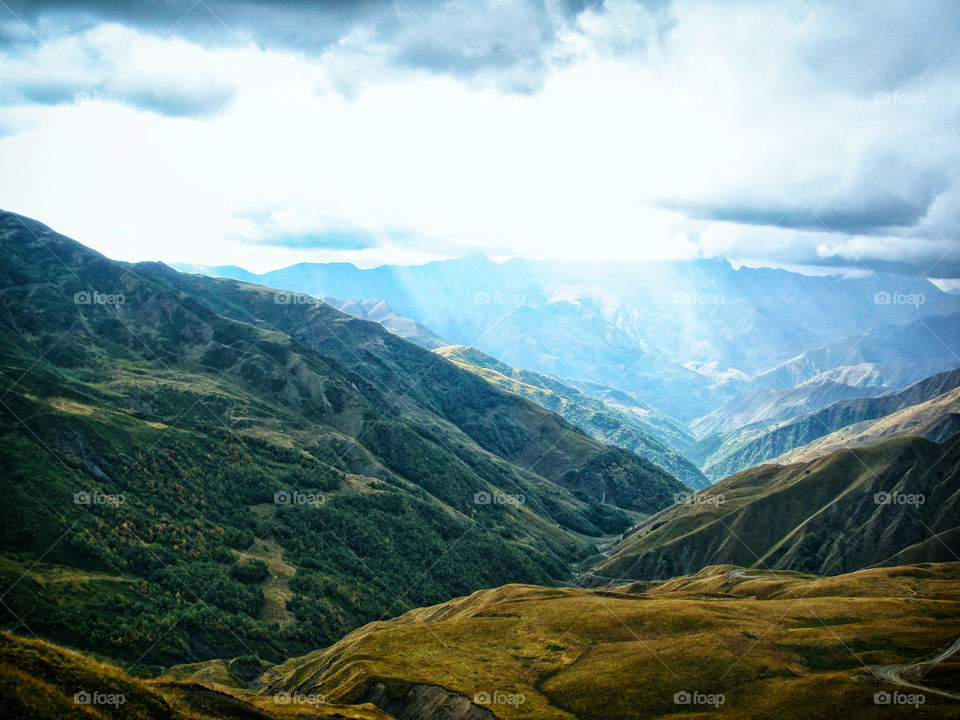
761, 644
726, 643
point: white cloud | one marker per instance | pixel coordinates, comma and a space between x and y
719, 112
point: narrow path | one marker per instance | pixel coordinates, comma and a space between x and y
904, 674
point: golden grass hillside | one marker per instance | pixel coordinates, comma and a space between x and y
727, 642
773, 644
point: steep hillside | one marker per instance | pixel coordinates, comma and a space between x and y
198, 468
727, 453
936, 419
591, 415
42, 681
726, 643
652, 421
849, 510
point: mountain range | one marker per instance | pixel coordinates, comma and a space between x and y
474, 490
726, 453
685, 337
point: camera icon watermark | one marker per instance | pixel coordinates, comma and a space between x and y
686, 498
93, 297
295, 497
87, 98
498, 697
95, 497
883, 297
86, 697
285, 698
898, 498
699, 298
685, 697
496, 498
497, 297
292, 298
898, 698
899, 98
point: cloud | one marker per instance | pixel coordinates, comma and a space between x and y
114, 65
508, 40
766, 245
802, 132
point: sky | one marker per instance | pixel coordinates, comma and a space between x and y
260, 133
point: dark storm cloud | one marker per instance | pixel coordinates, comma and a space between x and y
291, 23
455, 37
866, 217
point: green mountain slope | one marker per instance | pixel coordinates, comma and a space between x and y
849, 510
198, 468
606, 424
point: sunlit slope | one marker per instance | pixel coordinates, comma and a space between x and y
773, 644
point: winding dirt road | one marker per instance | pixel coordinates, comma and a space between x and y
908, 674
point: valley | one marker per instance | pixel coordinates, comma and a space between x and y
230, 500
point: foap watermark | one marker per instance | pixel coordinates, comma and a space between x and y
94, 297
898, 698
98, 98
899, 498
899, 298
496, 498
699, 298
295, 497
698, 698
295, 698
899, 98
498, 697
698, 499
95, 497
290, 298
497, 297
86, 697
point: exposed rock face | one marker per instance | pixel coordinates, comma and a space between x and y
428, 702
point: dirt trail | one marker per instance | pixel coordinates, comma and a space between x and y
909, 674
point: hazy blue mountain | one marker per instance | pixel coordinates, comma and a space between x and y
380, 312
766, 405
896, 354
227, 271
726, 453
685, 337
